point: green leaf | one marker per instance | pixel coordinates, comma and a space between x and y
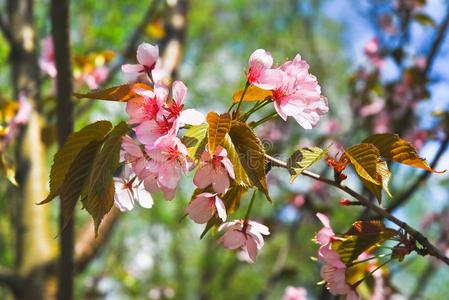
77, 178
391, 146
64, 158
100, 204
241, 178
121, 93
364, 157
251, 153
362, 236
424, 19
219, 126
304, 158
384, 176
195, 140
105, 164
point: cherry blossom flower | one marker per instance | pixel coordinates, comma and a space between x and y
128, 192
133, 155
247, 237
325, 237
175, 109
372, 52
260, 73
47, 59
336, 282
147, 58
168, 161
148, 106
295, 293
298, 94
204, 206
214, 170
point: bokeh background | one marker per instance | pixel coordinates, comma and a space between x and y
384, 66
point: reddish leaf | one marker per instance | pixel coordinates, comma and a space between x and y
121, 93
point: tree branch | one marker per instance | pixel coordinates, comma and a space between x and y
11, 280
88, 246
418, 236
437, 43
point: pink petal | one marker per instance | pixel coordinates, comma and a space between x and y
251, 248
269, 79
228, 166
220, 180
191, 116
147, 54
279, 110
179, 91
200, 209
136, 68
169, 176
221, 209
202, 177
262, 57
143, 197
233, 239
130, 146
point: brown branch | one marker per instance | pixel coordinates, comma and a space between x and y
60, 30
418, 236
437, 43
13, 281
88, 246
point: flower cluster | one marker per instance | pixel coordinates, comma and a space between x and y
333, 271
295, 92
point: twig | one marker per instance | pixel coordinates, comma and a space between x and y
418, 236
437, 43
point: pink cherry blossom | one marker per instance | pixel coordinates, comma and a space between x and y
214, 170
298, 94
47, 57
295, 293
128, 192
148, 106
247, 237
174, 110
260, 72
336, 282
134, 157
204, 206
147, 58
372, 52
325, 237
168, 161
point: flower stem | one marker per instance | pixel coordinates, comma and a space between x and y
255, 108
264, 119
367, 259
250, 206
243, 95
371, 273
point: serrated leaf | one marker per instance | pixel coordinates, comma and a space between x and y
64, 158
364, 157
100, 204
362, 236
252, 94
121, 93
105, 164
424, 19
384, 177
251, 153
392, 147
304, 158
76, 179
241, 178
219, 126
195, 139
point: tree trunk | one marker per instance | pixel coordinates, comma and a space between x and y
34, 245
64, 108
